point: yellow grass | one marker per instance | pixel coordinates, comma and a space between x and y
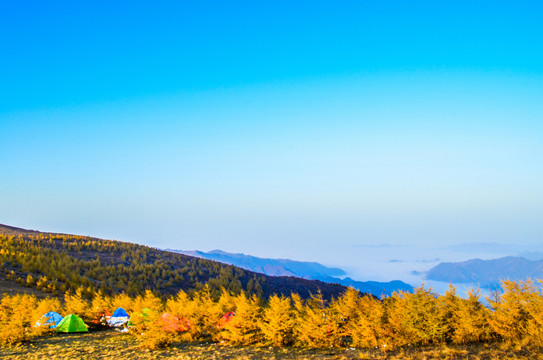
109, 344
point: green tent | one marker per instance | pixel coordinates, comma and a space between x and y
72, 323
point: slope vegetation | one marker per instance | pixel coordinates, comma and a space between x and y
55, 263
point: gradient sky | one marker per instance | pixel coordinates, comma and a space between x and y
278, 129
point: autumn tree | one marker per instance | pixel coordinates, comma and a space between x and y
244, 327
203, 315
278, 321
414, 318
16, 315
511, 317
78, 305
312, 321
365, 325
470, 320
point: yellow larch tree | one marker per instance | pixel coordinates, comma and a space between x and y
366, 327
243, 328
510, 317
471, 320
312, 323
16, 314
203, 315
78, 305
534, 328
414, 318
278, 321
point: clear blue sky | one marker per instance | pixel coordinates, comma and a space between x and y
274, 128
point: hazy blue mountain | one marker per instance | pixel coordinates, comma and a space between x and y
485, 247
487, 273
306, 270
532, 255
495, 249
273, 267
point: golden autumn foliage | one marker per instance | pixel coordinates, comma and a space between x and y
517, 312
78, 305
278, 321
312, 321
15, 318
203, 315
513, 316
364, 321
415, 318
466, 319
244, 327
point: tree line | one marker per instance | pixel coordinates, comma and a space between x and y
513, 315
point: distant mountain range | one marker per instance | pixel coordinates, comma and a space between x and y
532, 255
486, 248
273, 267
494, 249
306, 270
487, 273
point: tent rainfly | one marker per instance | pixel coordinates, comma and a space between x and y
71, 324
119, 313
50, 319
119, 318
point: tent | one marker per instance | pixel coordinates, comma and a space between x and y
171, 323
119, 313
184, 323
140, 317
119, 318
101, 317
50, 319
226, 319
72, 323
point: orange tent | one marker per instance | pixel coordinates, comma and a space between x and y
226, 319
171, 323
101, 316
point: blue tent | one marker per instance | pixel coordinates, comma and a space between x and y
51, 319
119, 313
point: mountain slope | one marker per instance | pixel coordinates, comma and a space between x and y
307, 270
487, 273
56, 263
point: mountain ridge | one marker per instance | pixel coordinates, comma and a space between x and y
306, 270
487, 273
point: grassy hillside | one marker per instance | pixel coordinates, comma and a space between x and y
54, 263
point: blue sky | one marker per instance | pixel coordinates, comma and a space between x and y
278, 129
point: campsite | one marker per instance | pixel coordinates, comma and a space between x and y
355, 326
